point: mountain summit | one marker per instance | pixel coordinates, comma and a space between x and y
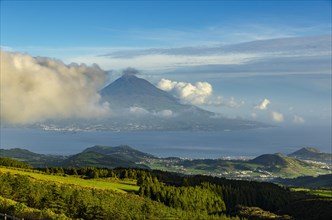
311, 153
144, 106
131, 91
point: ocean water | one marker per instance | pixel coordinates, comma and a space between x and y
187, 144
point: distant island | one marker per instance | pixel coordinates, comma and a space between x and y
138, 105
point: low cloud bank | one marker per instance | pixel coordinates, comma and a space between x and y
34, 89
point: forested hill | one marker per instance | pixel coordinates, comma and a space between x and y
93, 193
95, 159
122, 151
8, 162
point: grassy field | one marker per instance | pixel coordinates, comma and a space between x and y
110, 184
318, 192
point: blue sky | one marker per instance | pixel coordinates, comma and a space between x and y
287, 60
157, 23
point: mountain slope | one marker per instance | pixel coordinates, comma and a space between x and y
285, 166
124, 152
271, 160
131, 91
19, 153
139, 105
110, 157
94, 159
310, 153
136, 105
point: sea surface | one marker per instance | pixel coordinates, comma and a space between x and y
188, 144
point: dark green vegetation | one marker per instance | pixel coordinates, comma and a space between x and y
125, 152
37, 198
8, 162
95, 159
310, 153
322, 181
161, 195
257, 213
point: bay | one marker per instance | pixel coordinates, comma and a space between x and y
188, 144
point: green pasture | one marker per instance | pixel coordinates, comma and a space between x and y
106, 184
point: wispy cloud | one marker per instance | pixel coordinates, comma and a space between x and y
291, 55
215, 34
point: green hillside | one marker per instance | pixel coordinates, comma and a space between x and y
124, 152
286, 166
9, 162
36, 196
119, 186
94, 159
310, 153
34, 159
264, 167
271, 160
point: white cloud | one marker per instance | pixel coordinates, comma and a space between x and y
277, 117
298, 120
198, 94
167, 113
232, 103
35, 89
263, 105
166, 85
138, 110
220, 101
194, 94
